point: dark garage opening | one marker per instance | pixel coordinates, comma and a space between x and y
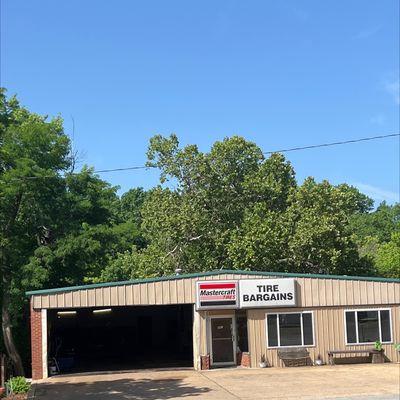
119, 338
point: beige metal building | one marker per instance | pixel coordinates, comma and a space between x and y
211, 319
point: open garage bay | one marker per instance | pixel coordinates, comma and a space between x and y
118, 338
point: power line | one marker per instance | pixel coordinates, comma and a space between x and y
123, 169
137, 167
333, 143
278, 151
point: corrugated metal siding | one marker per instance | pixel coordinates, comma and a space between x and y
329, 333
313, 292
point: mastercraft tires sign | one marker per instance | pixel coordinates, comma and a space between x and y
217, 294
246, 293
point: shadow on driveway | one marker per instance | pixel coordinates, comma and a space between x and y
141, 389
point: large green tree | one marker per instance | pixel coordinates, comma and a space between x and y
234, 208
34, 152
56, 227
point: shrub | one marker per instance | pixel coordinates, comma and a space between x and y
378, 345
17, 384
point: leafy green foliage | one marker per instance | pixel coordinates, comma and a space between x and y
33, 153
80, 257
232, 208
379, 223
128, 208
378, 345
377, 236
388, 257
18, 385
56, 227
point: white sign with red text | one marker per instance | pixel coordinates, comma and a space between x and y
217, 294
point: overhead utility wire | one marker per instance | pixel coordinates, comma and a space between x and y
333, 143
123, 169
100, 171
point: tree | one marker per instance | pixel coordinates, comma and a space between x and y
320, 241
307, 233
373, 231
388, 257
194, 223
33, 154
57, 228
380, 223
80, 257
128, 208
232, 208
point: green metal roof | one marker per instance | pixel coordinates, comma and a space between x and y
212, 273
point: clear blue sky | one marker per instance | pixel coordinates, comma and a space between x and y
278, 72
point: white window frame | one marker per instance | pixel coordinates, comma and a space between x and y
356, 310
301, 327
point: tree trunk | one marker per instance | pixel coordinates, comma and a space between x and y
6, 326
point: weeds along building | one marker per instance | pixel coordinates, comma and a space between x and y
213, 319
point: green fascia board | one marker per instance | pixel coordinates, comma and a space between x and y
211, 273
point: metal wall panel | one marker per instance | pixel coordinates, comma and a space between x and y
313, 292
329, 332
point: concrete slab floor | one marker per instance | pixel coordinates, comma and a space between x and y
341, 382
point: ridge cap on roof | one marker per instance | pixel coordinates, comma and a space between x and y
210, 273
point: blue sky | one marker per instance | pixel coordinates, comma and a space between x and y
278, 72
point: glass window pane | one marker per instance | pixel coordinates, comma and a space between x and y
221, 328
368, 326
272, 331
290, 329
351, 327
307, 329
385, 326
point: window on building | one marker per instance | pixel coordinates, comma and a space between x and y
241, 328
368, 326
292, 329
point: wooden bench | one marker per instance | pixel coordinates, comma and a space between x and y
331, 353
294, 356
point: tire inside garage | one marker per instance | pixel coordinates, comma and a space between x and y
120, 338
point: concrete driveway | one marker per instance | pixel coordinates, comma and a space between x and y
356, 382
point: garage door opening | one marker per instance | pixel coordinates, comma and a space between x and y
119, 338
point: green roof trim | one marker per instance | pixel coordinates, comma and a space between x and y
211, 273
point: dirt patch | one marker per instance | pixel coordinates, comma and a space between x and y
17, 397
